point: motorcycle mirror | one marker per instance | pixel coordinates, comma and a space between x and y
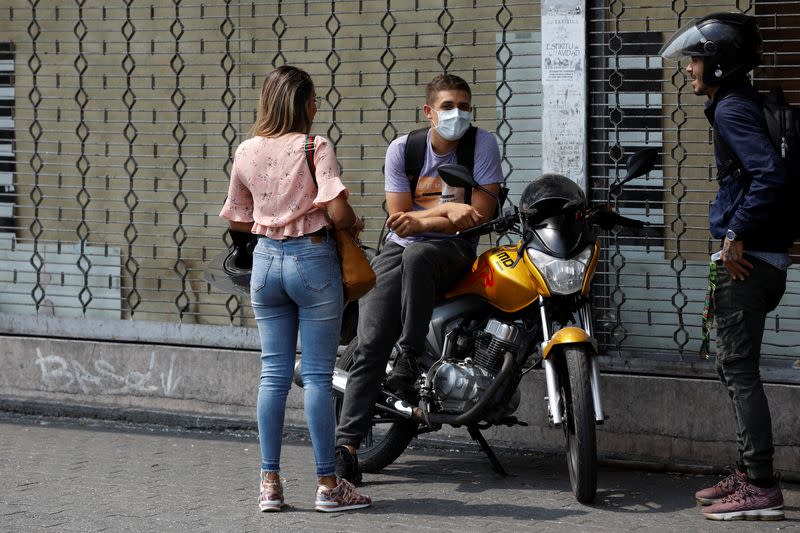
640, 163
456, 175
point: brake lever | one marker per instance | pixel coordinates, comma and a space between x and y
475, 229
605, 219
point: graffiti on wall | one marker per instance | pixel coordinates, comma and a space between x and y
100, 376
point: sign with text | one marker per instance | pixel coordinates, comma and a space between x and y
564, 135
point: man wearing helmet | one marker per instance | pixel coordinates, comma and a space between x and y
421, 257
749, 219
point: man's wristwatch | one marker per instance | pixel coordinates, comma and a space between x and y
730, 235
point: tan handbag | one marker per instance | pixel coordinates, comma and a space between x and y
357, 274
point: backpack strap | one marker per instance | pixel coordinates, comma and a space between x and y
417, 146
731, 166
465, 155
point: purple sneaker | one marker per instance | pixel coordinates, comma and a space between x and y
749, 502
724, 488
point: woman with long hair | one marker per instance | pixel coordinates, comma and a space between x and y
296, 280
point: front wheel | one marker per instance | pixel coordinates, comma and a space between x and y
387, 437
579, 424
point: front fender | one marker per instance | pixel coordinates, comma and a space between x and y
569, 335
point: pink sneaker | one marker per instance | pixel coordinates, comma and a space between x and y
271, 496
724, 488
749, 502
343, 497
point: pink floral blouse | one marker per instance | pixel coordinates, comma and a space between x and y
271, 186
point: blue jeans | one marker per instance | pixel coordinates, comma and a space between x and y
297, 284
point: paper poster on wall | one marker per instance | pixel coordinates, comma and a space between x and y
564, 133
563, 44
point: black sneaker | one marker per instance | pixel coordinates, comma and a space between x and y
403, 377
347, 465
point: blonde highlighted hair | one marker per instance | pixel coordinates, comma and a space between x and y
284, 103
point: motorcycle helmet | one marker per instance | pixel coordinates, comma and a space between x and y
728, 43
547, 195
552, 214
230, 270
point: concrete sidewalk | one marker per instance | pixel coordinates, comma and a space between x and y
88, 475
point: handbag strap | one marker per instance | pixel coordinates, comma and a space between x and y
309, 149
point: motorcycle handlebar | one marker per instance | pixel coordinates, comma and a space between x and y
605, 219
501, 223
630, 222
609, 219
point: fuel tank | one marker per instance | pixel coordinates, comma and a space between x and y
506, 288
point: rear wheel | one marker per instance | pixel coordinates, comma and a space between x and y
579, 423
388, 436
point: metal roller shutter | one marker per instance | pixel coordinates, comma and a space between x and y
650, 295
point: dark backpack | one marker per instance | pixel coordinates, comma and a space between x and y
783, 125
416, 148
782, 121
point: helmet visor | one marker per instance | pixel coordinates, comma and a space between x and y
687, 42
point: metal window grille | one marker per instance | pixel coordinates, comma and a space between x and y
124, 119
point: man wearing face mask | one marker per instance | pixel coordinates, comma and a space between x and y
421, 258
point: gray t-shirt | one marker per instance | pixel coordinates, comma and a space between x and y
431, 190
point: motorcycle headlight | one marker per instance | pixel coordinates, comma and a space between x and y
563, 276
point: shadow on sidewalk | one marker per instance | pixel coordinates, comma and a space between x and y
537, 477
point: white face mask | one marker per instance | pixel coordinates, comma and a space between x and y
453, 123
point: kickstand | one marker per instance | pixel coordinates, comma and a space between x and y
476, 435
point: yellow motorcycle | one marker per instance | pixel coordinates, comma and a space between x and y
522, 306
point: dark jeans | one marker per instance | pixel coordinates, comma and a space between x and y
741, 309
397, 310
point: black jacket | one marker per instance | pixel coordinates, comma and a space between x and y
757, 214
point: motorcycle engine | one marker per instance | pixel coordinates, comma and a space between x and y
459, 384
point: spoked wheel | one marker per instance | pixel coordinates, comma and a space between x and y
388, 436
579, 423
